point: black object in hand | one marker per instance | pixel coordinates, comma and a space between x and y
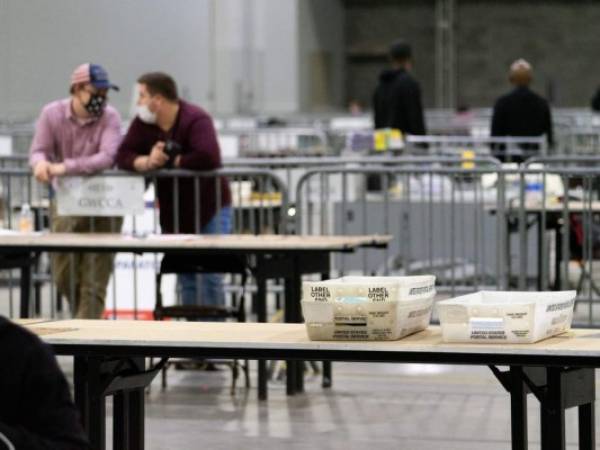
172, 149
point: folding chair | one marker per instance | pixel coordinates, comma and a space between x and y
176, 264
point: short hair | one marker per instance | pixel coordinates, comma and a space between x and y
400, 51
520, 72
160, 83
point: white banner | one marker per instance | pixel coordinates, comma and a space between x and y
99, 196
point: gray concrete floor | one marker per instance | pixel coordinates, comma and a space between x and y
383, 406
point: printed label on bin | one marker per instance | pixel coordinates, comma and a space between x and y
357, 334
421, 290
350, 320
487, 328
378, 294
320, 293
554, 307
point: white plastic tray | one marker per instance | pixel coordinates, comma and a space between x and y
506, 317
367, 308
373, 288
369, 321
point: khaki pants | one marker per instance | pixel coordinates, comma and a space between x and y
82, 277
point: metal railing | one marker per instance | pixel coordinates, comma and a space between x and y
261, 208
480, 228
472, 223
508, 148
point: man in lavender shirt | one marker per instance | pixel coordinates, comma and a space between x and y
75, 136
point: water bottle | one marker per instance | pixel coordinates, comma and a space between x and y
26, 219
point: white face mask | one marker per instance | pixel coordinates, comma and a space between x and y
145, 115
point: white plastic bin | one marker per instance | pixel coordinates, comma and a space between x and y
506, 317
373, 288
367, 308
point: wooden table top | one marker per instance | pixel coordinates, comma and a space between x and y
550, 207
57, 241
577, 342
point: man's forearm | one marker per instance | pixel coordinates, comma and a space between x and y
141, 164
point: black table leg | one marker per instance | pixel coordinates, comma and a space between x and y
518, 409
289, 317
553, 412
59, 301
80, 389
136, 419
121, 417
587, 434
37, 286
128, 415
25, 290
327, 380
96, 405
261, 309
297, 308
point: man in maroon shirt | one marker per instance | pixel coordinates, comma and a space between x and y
169, 132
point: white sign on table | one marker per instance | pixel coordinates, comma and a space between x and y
99, 196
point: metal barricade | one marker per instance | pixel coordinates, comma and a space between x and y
291, 169
578, 140
479, 228
277, 142
554, 216
258, 205
475, 226
438, 216
20, 135
14, 162
563, 160
511, 148
18, 188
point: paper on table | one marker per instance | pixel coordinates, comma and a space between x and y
9, 232
172, 237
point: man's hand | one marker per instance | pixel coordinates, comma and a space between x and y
41, 171
158, 158
57, 169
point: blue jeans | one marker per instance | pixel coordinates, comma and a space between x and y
211, 284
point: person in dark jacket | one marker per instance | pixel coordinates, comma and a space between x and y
397, 98
596, 101
522, 113
36, 411
169, 132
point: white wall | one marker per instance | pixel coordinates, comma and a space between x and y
322, 58
267, 50
42, 41
231, 56
277, 86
